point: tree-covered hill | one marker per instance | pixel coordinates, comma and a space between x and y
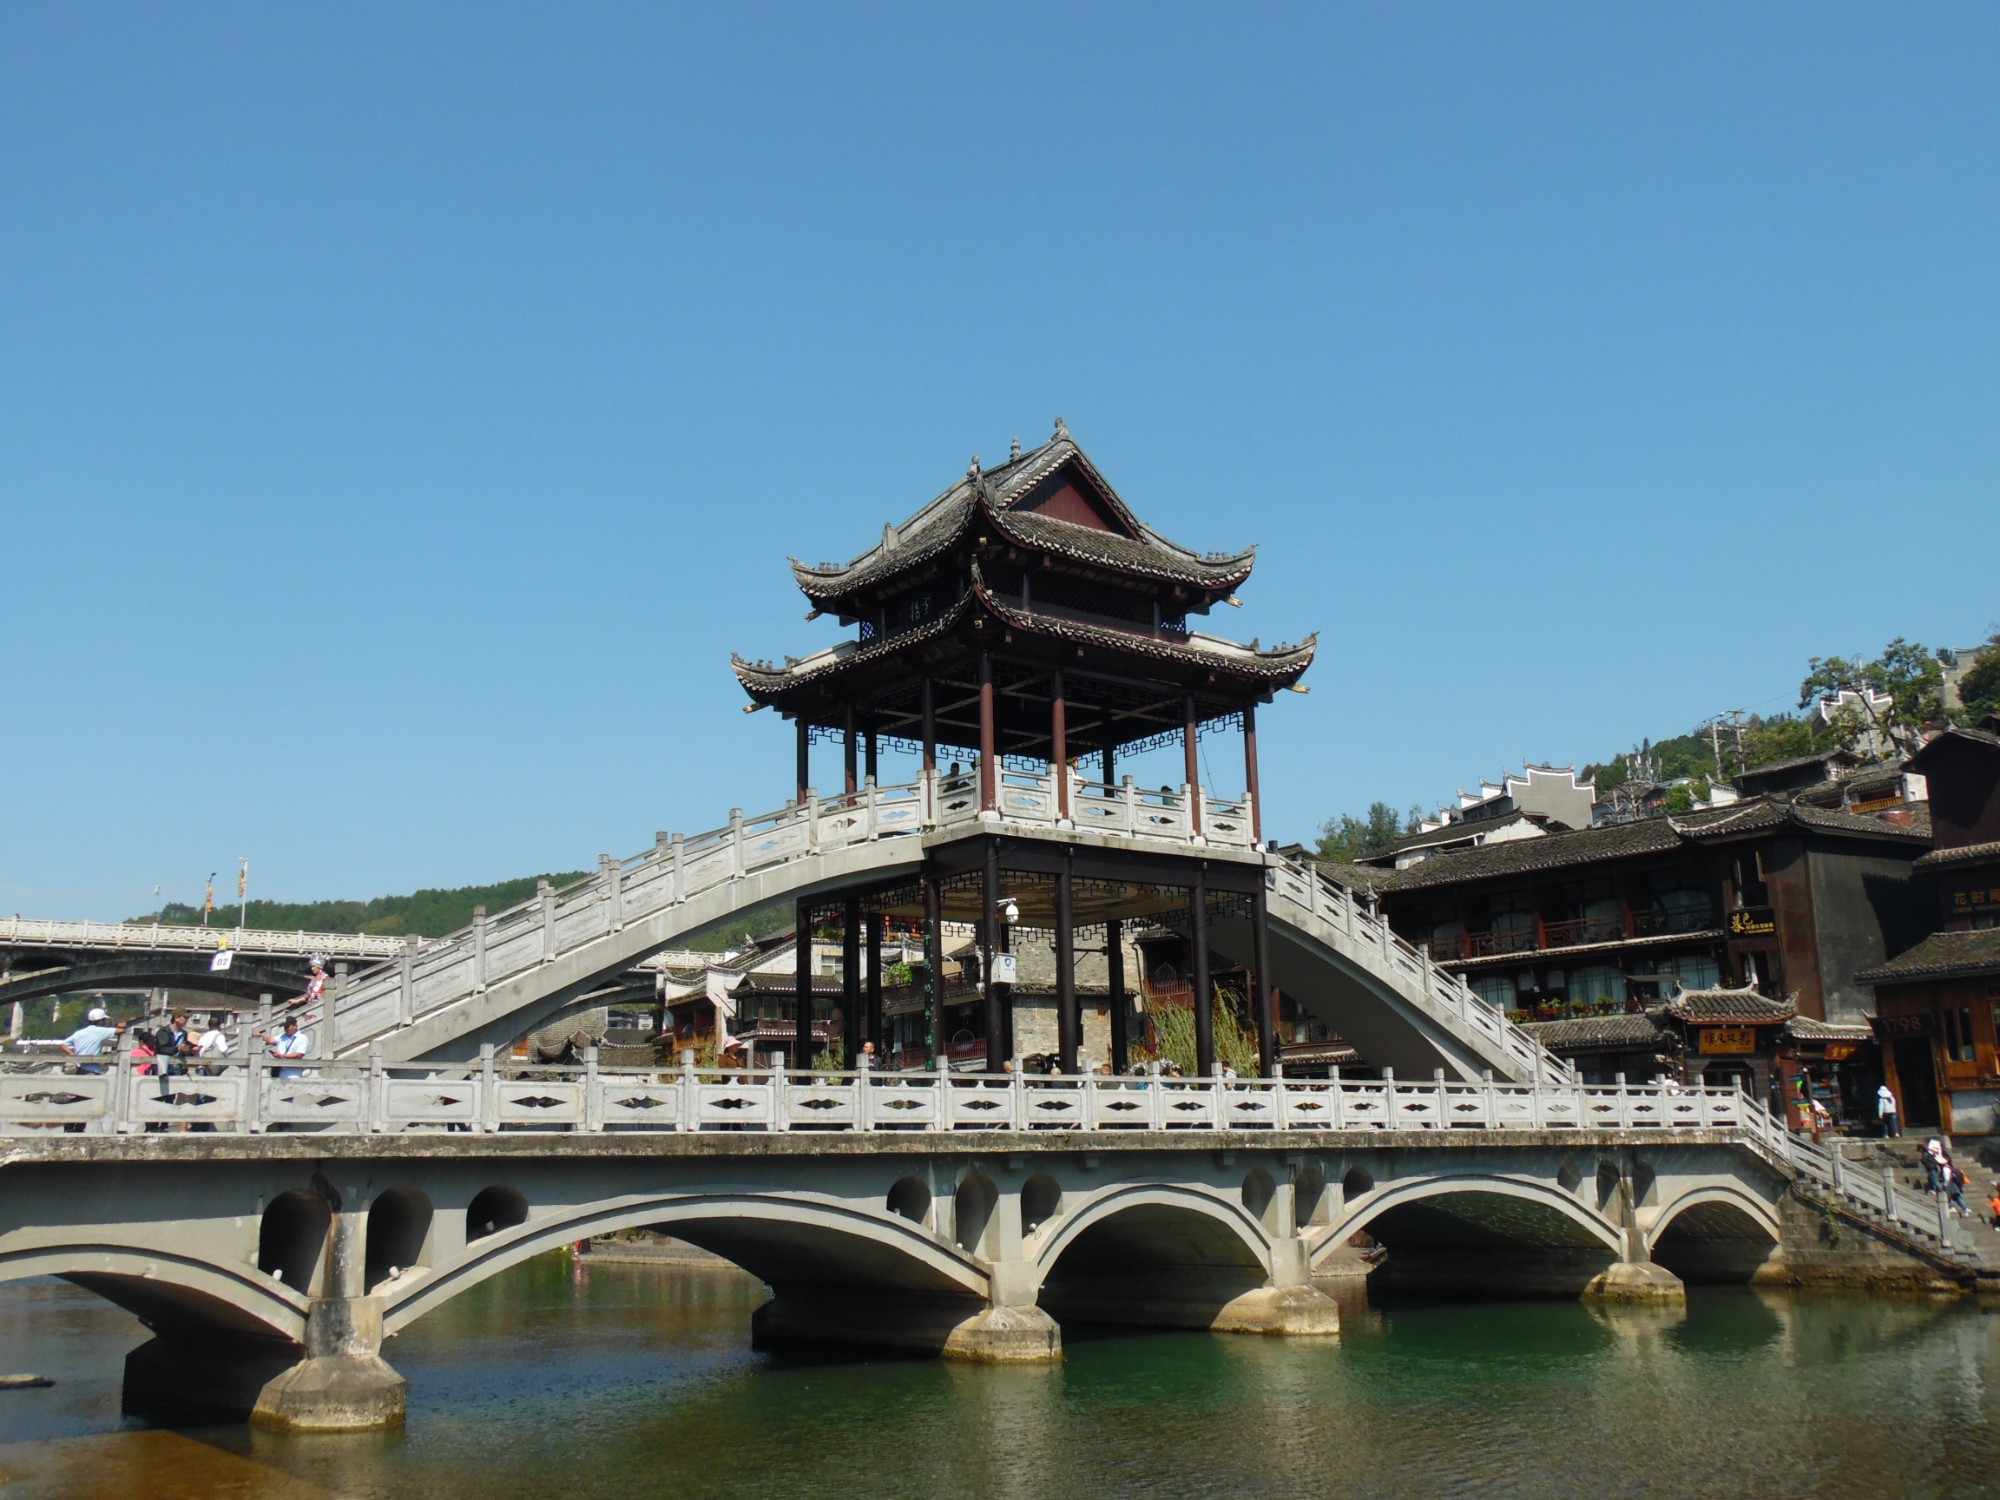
425, 913
434, 913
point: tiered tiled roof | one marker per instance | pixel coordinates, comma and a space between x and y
1279, 666
1963, 854
1940, 956
1623, 840
991, 500
1597, 1033
1724, 1006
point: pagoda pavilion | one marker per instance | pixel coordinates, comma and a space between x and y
1022, 625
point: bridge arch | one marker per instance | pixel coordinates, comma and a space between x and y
399, 1234
291, 1238
1151, 1254
171, 1292
1719, 1232
493, 1209
783, 1240
183, 973
1159, 1224
1487, 1235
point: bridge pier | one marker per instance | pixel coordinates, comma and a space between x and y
1633, 1278
950, 1327
343, 1384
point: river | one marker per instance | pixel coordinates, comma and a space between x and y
588, 1380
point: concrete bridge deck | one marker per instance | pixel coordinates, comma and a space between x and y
274, 1255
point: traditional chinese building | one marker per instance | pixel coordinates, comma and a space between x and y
1018, 634
1938, 1002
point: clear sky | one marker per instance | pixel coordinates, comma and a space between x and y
404, 410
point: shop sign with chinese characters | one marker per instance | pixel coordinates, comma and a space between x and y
1728, 1039
1983, 898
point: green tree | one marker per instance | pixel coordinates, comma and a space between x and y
1348, 838
1979, 688
1907, 672
1780, 737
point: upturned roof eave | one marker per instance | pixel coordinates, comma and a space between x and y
1275, 668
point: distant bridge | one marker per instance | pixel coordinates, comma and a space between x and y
27, 936
41, 958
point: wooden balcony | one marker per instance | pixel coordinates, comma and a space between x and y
1575, 932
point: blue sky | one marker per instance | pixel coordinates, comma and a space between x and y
404, 411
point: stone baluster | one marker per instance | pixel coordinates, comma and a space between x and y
546, 895
406, 986
680, 869
593, 1092
257, 1070
611, 874
690, 1093
375, 1093
736, 858
118, 1108
478, 948
489, 1092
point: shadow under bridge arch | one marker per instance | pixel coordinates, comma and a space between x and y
1483, 1236
798, 1245
1157, 1256
1718, 1234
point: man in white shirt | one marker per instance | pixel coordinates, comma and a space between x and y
289, 1043
214, 1041
92, 1039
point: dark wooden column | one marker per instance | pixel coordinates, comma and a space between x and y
1069, 1022
1204, 1007
1193, 764
1250, 773
872, 1026
872, 766
1121, 1013
1059, 748
1110, 765
989, 943
805, 759
847, 750
989, 780
802, 989
1261, 1003
934, 971
930, 725
850, 980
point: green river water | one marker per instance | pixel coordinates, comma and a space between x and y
579, 1381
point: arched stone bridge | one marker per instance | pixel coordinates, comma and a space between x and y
271, 1268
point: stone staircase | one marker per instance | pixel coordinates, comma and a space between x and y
1882, 1184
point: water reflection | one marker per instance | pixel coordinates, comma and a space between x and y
608, 1380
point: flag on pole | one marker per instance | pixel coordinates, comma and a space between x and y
208, 895
243, 881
